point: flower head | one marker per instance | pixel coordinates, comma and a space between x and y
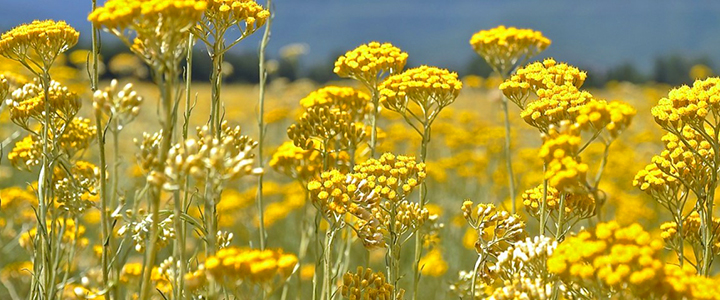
46, 39
370, 63
430, 88
502, 47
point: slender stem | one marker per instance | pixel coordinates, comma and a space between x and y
104, 214
508, 154
44, 189
474, 276
375, 114
327, 271
261, 125
423, 196
168, 123
543, 204
561, 216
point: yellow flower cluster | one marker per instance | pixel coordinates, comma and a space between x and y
689, 105
565, 171
26, 153
296, 162
14, 197
661, 178
336, 194
29, 102
502, 46
369, 63
223, 14
430, 88
555, 105
408, 216
686, 284
346, 99
392, 177
325, 129
232, 264
614, 116
77, 136
121, 14
540, 76
47, 39
610, 259
368, 285
580, 205
691, 232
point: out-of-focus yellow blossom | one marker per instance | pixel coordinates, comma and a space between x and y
623, 261
503, 47
46, 39
71, 233
700, 71
296, 162
366, 284
370, 63
26, 153
433, 264
15, 197
232, 265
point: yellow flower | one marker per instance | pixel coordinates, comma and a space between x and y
370, 63
502, 47
47, 39
429, 88
433, 264
220, 15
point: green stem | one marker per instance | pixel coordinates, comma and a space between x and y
375, 114
261, 126
327, 271
423, 198
168, 123
561, 216
543, 204
474, 276
508, 154
104, 214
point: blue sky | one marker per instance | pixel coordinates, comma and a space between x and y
594, 34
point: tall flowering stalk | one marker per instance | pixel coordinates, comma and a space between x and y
36, 46
370, 64
219, 18
157, 31
419, 94
688, 166
261, 124
504, 48
561, 112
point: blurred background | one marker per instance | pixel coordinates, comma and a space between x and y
617, 40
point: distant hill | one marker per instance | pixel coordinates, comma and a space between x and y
594, 34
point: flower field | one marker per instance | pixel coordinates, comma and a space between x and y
394, 182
